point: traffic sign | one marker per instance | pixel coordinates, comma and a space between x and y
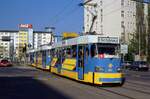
124, 49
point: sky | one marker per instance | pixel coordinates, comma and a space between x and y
64, 15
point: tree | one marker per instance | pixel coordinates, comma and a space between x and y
140, 34
149, 33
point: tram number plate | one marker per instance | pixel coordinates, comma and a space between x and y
110, 70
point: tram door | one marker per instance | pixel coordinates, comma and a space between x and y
59, 55
81, 62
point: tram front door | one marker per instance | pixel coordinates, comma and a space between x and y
80, 62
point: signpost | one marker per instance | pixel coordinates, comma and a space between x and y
124, 50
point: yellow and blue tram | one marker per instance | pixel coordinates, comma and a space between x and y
40, 58
90, 58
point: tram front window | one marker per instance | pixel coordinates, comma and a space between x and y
107, 51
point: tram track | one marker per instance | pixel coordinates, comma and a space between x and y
113, 91
117, 93
98, 92
145, 85
132, 89
122, 92
109, 90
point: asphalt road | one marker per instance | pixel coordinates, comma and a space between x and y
24, 82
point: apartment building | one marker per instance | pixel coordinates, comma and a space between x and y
20, 38
5, 45
114, 17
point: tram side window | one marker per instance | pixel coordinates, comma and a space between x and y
68, 53
52, 53
59, 56
56, 53
74, 52
93, 51
87, 51
63, 53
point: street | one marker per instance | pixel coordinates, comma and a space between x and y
24, 82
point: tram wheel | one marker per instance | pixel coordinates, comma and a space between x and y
123, 81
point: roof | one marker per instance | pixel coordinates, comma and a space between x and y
8, 30
12, 31
87, 39
45, 47
41, 32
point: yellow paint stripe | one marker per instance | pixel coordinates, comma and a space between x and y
54, 60
69, 64
47, 67
109, 75
54, 70
70, 74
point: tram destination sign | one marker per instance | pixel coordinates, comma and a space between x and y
113, 40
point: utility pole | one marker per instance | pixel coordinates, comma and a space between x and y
93, 13
146, 26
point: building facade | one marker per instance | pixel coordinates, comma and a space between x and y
114, 17
19, 38
6, 45
42, 38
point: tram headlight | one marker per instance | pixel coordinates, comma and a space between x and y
119, 69
99, 69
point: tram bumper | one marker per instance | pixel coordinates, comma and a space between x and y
102, 78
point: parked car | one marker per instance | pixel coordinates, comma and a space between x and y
139, 65
126, 64
5, 63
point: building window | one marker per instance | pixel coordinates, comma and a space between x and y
122, 2
122, 24
122, 13
87, 18
101, 10
101, 2
101, 18
87, 25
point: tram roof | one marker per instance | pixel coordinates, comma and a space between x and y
45, 47
31, 50
88, 39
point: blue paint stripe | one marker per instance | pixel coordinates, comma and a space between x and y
110, 79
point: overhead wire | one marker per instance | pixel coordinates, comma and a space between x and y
55, 17
113, 11
73, 23
63, 19
69, 13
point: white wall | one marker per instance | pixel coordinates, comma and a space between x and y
109, 17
